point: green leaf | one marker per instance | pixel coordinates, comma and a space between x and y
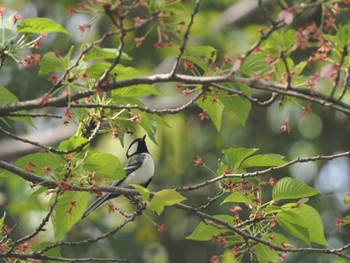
107, 53
39, 163
7, 96
265, 255
51, 63
346, 220
73, 143
55, 252
214, 108
290, 188
228, 257
69, 210
144, 192
270, 209
235, 156
311, 220
202, 56
105, 164
238, 105
2, 219
347, 198
293, 224
6, 34
166, 197
263, 160
236, 197
40, 25
204, 232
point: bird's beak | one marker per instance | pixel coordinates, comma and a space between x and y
144, 138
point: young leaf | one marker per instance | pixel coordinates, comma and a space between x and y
39, 163
236, 197
290, 188
311, 219
204, 232
72, 143
51, 63
166, 197
144, 192
214, 108
263, 160
265, 254
7, 96
228, 257
40, 25
293, 223
107, 53
69, 210
235, 156
238, 105
105, 164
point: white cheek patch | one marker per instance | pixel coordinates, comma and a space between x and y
132, 149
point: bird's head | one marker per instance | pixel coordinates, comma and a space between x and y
137, 146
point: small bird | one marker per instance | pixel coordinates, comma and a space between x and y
139, 170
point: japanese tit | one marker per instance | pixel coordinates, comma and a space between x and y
139, 170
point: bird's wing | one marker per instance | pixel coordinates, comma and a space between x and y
134, 163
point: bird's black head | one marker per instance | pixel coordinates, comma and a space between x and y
137, 146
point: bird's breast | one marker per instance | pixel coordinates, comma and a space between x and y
141, 175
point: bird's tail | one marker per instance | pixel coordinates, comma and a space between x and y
95, 205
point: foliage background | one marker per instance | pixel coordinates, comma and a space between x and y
322, 132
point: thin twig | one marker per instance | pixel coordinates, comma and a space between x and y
185, 38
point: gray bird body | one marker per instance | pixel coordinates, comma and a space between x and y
139, 170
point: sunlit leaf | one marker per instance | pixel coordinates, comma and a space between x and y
69, 210
105, 164
290, 188
40, 25
263, 160
214, 108
166, 197
144, 192
265, 255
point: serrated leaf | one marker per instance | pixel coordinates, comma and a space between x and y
144, 192
40, 25
293, 224
214, 108
166, 197
69, 210
39, 163
290, 188
236, 197
51, 63
105, 164
235, 156
307, 217
238, 105
263, 160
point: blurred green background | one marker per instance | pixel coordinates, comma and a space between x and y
227, 26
